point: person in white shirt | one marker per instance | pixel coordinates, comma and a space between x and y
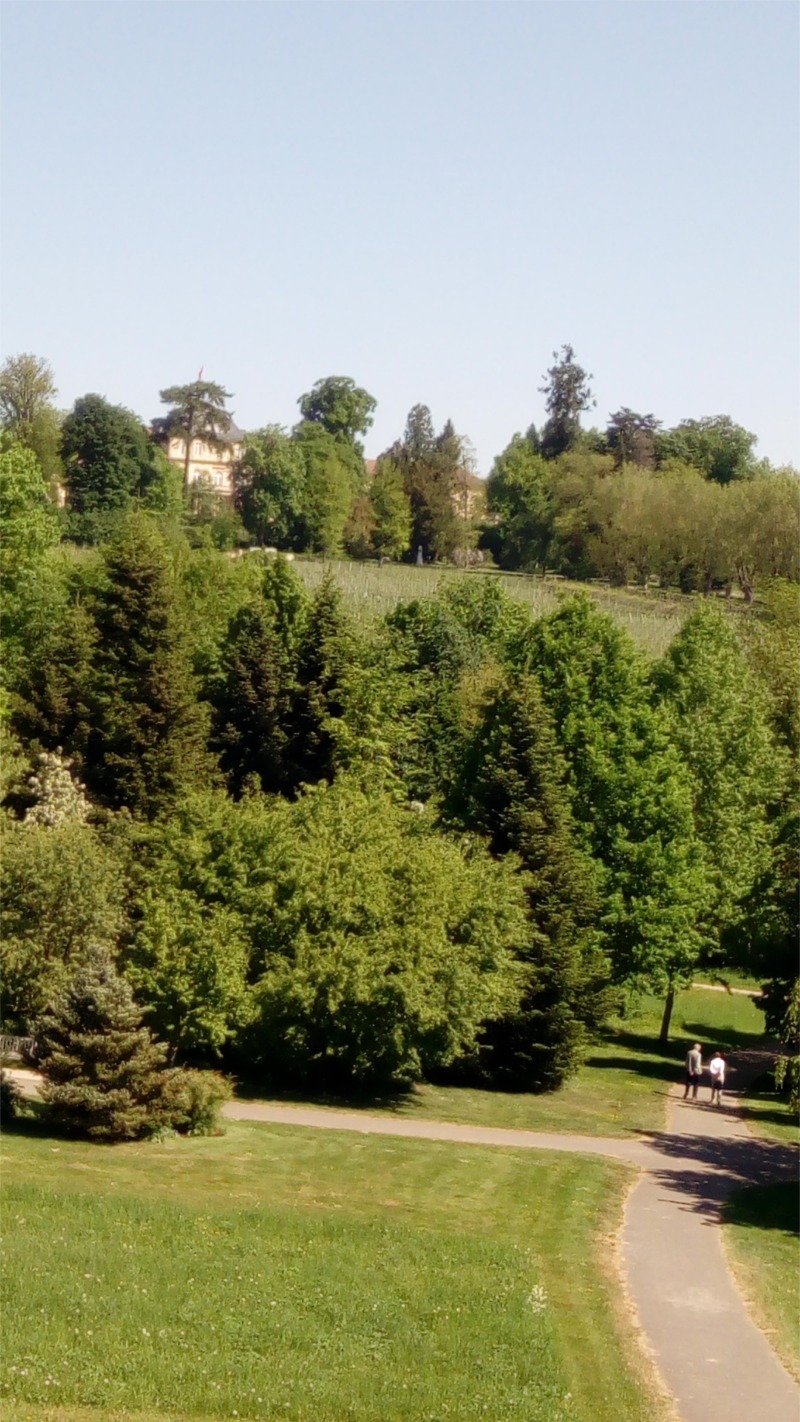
716, 1069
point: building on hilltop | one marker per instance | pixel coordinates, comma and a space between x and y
208, 464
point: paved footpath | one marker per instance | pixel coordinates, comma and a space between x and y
714, 1361
716, 1364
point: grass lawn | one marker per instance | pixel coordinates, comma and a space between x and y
282, 1273
762, 1228
769, 1115
621, 1088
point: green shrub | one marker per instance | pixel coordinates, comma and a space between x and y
9, 1099
193, 1100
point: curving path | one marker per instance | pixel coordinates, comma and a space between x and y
716, 1364
714, 1361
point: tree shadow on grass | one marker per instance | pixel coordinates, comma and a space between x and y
660, 1071
724, 1036
392, 1101
708, 1169
33, 1120
765, 1207
767, 1111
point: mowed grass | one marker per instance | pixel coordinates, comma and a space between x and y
620, 1090
761, 1234
371, 591
313, 1276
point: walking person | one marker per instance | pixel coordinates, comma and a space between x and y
716, 1068
694, 1068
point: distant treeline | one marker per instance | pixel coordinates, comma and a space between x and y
690, 507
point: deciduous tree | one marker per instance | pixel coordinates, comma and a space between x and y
270, 489
630, 793
108, 462
717, 722
343, 408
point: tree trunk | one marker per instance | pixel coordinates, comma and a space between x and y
663, 1038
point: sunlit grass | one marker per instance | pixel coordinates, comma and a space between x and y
762, 1232
314, 1276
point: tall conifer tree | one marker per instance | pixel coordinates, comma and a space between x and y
150, 743
104, 1073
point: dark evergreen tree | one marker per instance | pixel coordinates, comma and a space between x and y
149, 743
198, 412
419, 438
54, 704
325, 655
512, 789
631, 438
251, 700
104, 1075
568, 395
429, 465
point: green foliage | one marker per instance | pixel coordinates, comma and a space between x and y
631, 437
333, 472
194, 1098
769, 931
340, 406
771, 642
10, 1098
389, 949
27, 386
251, 704
27, 414
430, 467
189, 952
568, 395
325, 656
519, 497
512, 789
270, 481
787, 1066
54, 702
719, 448
445, 649
63, 887
150, 741
718, 725
630, 793
28, 530
108, 462
391, 511
188, 957
163, 494
103, 1073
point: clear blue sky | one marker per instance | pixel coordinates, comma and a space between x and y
429, 197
